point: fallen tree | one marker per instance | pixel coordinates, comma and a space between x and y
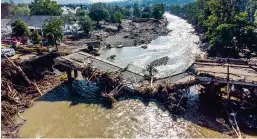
21, 83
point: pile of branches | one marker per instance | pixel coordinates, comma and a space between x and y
19, 89
14, 96
112, 87
239, 108
174, 97
106, 81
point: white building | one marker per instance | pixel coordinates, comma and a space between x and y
4, 23
36, 22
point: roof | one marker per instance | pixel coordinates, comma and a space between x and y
4, 22
33, 20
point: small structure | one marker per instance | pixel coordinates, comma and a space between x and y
4, 29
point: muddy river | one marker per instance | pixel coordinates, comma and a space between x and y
56, 114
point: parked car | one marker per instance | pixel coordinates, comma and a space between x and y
7, 52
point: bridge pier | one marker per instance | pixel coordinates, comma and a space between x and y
70, 80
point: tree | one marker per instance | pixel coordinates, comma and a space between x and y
19, 29
70, 17
158, 11
136, 10
151, 72
53, 30
20, 9
45, 7
98, 12
250, 9
118, 17
85, 24
36, 38
126, 12
80, 12
146, 13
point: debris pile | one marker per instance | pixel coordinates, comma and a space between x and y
239, 106
22, 82
113, 87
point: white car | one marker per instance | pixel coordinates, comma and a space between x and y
120, 46
7, 52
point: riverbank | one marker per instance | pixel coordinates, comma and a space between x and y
137, 32
17, 94
133, 32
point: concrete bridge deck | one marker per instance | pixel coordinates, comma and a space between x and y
78, 60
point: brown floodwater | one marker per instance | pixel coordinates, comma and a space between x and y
56, 114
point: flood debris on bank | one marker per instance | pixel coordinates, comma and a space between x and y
22, 82
113, 87
238, 107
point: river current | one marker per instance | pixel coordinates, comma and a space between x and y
56, 114
181, 46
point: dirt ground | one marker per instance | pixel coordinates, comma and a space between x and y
132, 33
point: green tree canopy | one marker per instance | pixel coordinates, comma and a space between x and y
45, 7
146, 13
35, 37
53, 30
20, 9
80, 12
126, 12
98, 12
70, 17
136, 10
158, 11
118, 17
19, 29
85, 24
251, 8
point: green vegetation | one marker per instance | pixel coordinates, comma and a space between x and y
98, 12
158, 11
85, 24
151, 70
20, 9
35, 37
118, 17
45, 7
19, 29
70, 18
53, 30
146, 13
136, 10
251, 8
226, 26
81, 12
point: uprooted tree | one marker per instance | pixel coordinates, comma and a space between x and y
151, 70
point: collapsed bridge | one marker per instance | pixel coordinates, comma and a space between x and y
77, 61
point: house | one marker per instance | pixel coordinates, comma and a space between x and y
4, 23
36, 22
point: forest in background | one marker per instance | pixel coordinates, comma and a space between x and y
229, 26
